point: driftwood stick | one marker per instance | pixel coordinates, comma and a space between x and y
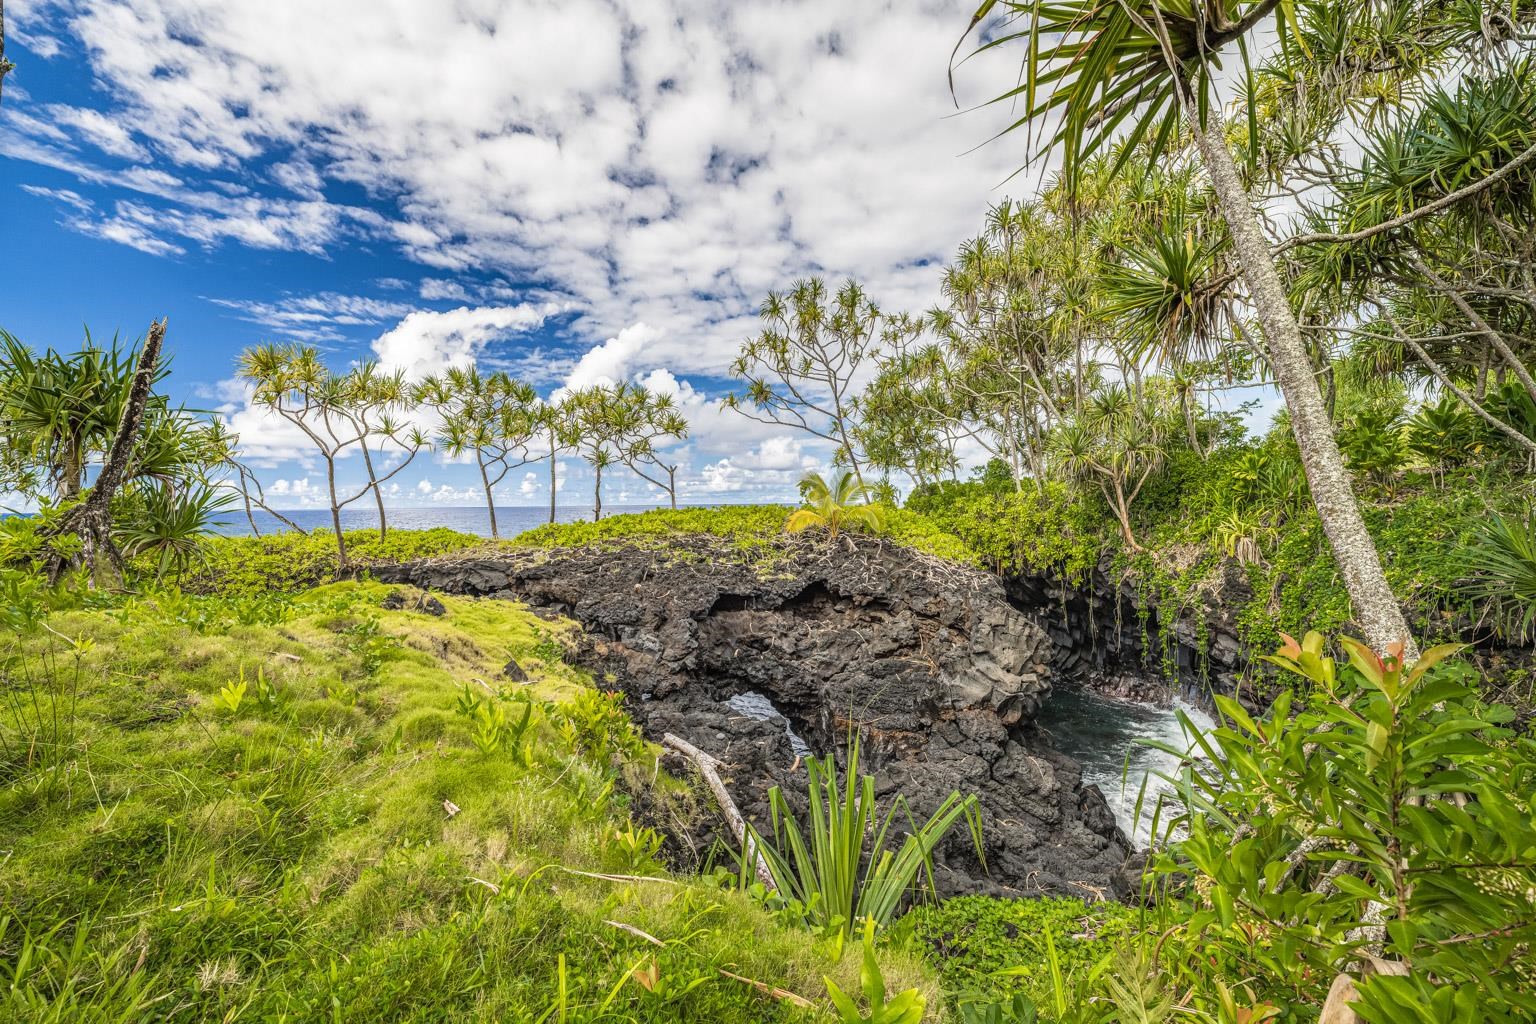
766, 989
708, 767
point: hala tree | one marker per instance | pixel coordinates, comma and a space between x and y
1116, 443
371, 401
494, 418
1447, 294
65, 416
805, 368
336, 412
620, 424
650, 421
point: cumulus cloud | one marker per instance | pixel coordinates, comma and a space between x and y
661, 161
427, 341
610, 362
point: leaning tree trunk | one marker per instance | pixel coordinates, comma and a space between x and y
91, 520
1375, 608
490, 497
378, 493
341, 538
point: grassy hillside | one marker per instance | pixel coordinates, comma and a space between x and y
363, 832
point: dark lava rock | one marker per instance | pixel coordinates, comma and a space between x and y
513, 671
926, 660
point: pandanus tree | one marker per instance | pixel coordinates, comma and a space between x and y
89, 436
805, 369
623, 424
657, 422
1144, 75
1446, 292
1116, 444
337, 413
493, 418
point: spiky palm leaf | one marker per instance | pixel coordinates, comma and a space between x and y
837, 505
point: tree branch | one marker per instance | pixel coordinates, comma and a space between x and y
1450, 199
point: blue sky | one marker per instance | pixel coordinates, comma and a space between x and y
576, 191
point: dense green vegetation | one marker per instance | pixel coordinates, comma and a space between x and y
1245, 500
750, 527
291, 562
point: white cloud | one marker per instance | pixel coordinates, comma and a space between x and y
434, 288
661, 161
315, 317
610, 362
296, 489
426, 341
104, 133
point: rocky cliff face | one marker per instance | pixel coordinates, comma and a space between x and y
1119, 640
927, 661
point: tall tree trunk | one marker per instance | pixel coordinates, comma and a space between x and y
341, 540
1375, 608
373, 482
597, 494
490, 499
91, 520
672, 485
552, 481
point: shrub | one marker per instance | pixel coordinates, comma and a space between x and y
985, 946
1379, 812
1501, 559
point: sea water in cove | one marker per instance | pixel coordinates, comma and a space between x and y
1108, 738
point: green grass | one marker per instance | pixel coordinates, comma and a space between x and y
174, 852
750, 528
970, 939
288, 563
291, 562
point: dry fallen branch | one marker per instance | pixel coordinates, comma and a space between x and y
762, 986
619, 878
708, 767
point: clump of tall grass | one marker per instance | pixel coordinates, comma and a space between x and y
825, 864
1501, 563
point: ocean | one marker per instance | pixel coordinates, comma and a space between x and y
510, 519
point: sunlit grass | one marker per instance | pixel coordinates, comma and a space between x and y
334, 845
